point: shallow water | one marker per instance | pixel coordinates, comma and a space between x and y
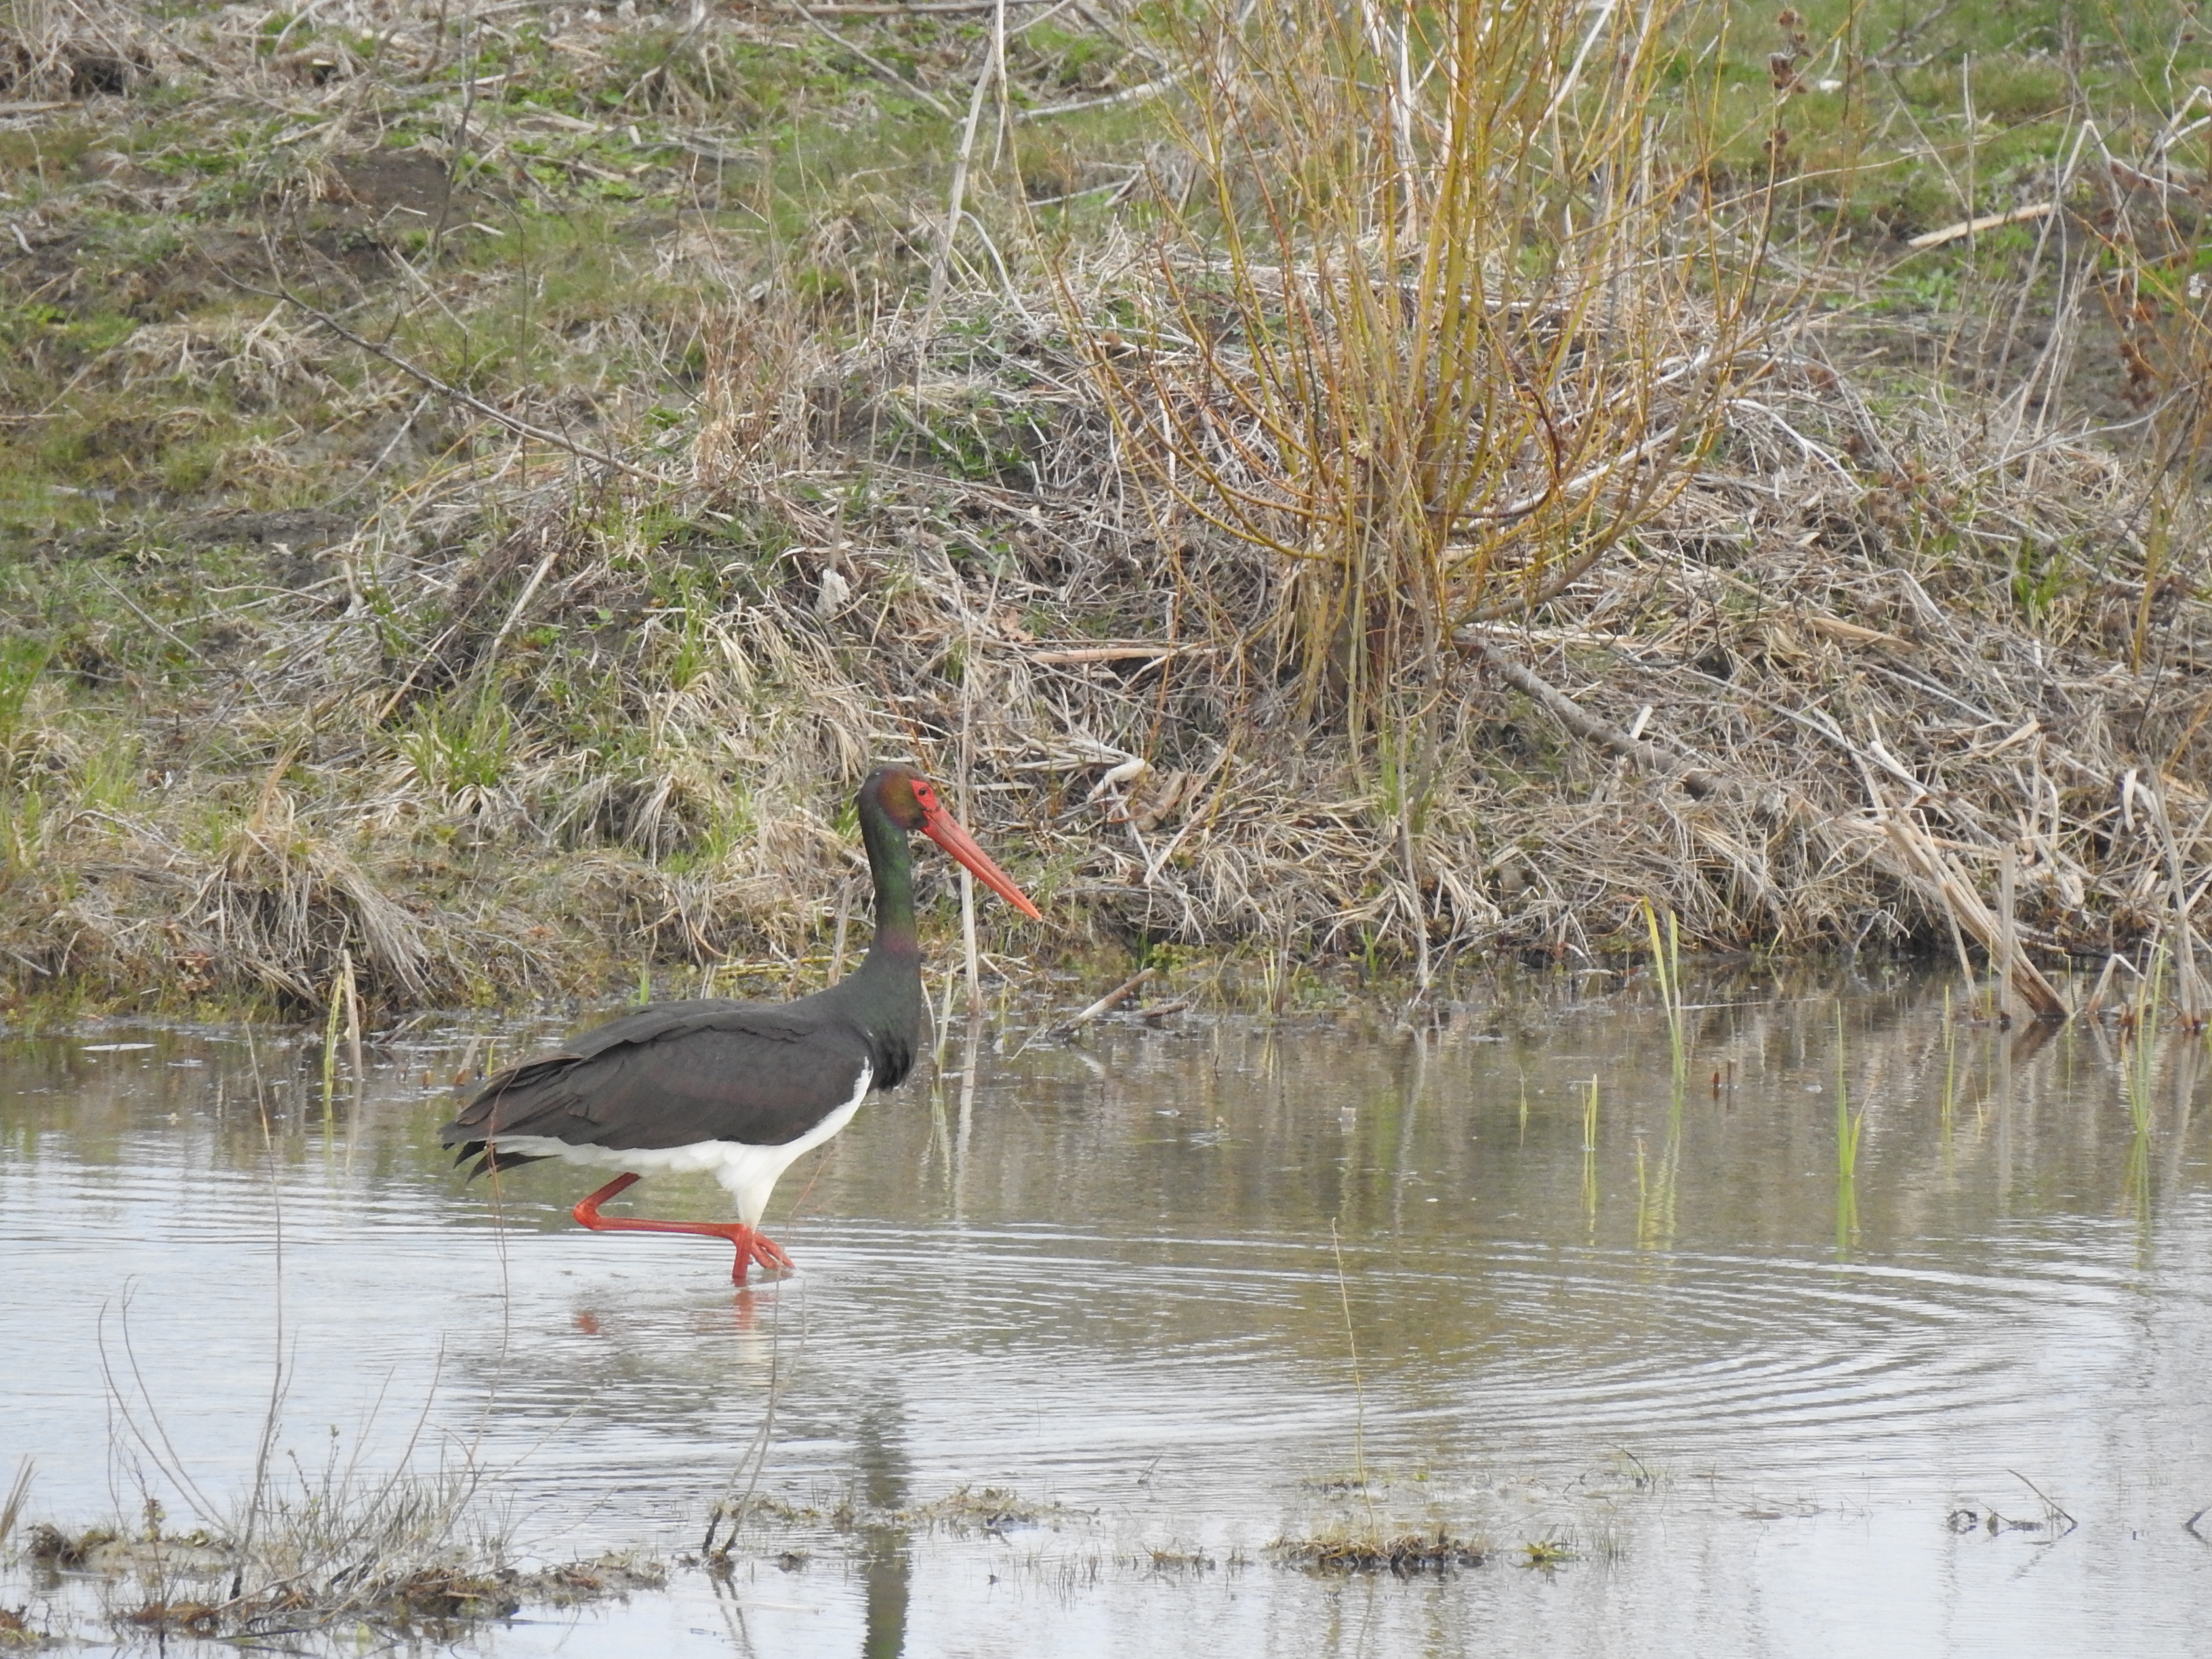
1181, 1293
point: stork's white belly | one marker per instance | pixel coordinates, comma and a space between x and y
748, 1174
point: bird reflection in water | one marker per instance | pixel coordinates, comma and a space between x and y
887, 1561
880, 1495
743, 1317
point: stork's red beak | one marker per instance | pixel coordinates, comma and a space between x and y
941, 827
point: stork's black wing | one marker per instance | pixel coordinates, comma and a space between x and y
672, 1075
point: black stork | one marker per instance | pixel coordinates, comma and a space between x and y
738, 1088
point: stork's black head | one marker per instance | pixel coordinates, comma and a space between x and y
907, 799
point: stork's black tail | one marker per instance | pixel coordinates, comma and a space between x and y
490, 1160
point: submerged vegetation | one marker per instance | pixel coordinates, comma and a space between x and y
478, 485
1357, 1551
404, 1555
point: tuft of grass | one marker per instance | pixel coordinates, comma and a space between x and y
460, 757
1165, 1560
993, 1510
387, 1562
307, 1545
19, 1491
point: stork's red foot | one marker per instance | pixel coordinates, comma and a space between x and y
754, 1246
755, 1249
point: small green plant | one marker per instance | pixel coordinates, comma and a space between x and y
2140, 1067
1358, 1384
459, 752
1546, 1553
2139, 1074
1950, 1099
688, 661
23, 660
1933, 289
108, 774
1643, 1195
330, 1020
2041, 578
22, 824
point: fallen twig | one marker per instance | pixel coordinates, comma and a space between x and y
1111, 654
1111, 101
1694, 779
922, 9
1106, 1004
1966, 228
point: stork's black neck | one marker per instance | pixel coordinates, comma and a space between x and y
890, 862
882, 996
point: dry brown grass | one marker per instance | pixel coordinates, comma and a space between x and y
495, 720
1843, 655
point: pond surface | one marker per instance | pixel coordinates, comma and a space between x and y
1084, 1325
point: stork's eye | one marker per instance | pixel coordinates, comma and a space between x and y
924, 794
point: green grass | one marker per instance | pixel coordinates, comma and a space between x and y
833, 166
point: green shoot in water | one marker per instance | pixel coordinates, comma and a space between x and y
1950, 1069
1643, 1198
1667, 970
1358, 1390
2139, 1072
1590, 1156
2142, 1060
331, 1047
1656, 1208
1849, 1126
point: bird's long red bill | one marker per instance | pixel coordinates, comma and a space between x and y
941, 827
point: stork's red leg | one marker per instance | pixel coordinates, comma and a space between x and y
587, 1209
752, 1245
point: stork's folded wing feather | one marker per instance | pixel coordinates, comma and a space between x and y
675, 1075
